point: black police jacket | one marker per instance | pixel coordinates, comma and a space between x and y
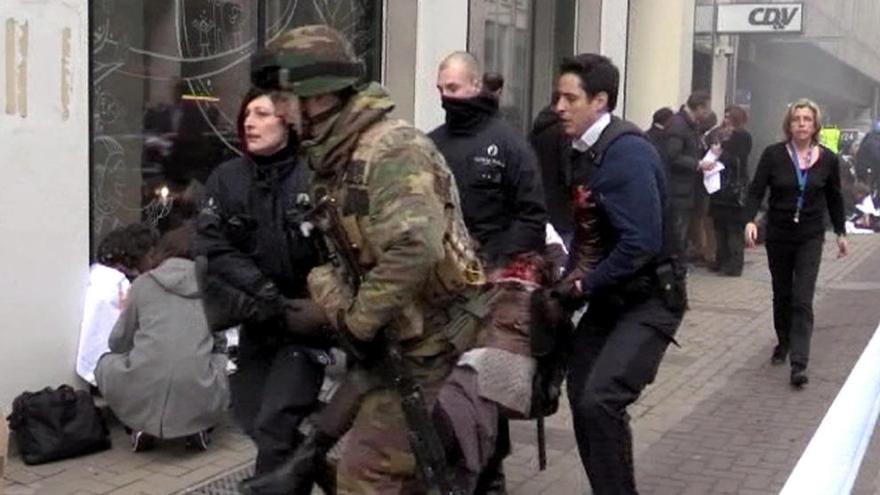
498, 180
551, 145
249, 227
682, 154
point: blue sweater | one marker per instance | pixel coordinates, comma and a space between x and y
629, 187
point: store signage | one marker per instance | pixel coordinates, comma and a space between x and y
760, 18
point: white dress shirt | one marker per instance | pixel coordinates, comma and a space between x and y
591, 135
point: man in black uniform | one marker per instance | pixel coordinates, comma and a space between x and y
249, 233
636, 292
500, 188
494, 166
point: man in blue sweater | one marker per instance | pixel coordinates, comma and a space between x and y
636, 290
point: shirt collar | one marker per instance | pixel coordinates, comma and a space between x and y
591, 135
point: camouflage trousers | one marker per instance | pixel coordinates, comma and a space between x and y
376, 458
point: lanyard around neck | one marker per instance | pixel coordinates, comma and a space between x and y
802, 174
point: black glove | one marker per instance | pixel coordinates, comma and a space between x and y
304, 317
356, 348
569, 296
225, 305
269, 304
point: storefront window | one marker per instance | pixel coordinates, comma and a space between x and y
523, 44
167, 78
500, 34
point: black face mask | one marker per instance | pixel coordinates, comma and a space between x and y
284, 153
464, 114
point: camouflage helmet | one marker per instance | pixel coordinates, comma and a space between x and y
307, 61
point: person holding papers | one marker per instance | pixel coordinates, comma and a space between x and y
727, 203
804, 182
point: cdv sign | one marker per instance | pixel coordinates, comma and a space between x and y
760, 18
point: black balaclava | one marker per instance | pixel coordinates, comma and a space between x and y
463, 115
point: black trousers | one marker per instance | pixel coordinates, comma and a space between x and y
794, 267
615, 355
730, 244
274, 389
680, 220
492, 480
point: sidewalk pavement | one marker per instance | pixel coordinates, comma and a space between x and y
718, 419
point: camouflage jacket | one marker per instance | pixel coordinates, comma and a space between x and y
399, 205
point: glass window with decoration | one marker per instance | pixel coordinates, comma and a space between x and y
167, 78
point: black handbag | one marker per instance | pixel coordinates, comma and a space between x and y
57, 424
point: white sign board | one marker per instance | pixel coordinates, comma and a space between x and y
760, 18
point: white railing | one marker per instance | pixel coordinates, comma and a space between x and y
830, 463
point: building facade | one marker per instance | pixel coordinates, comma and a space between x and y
113, 109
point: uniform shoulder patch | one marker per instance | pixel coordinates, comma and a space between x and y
356, 172
357, 201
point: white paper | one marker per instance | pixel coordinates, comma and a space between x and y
107, 287
712, 177
867, 207
852, 229
552, 237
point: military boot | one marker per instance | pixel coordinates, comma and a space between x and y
298, 474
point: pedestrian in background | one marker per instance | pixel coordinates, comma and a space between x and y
683, 154
657, 132
701, 232
493, 83
727, 205
551, 147
803, 178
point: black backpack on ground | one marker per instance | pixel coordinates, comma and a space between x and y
50, 425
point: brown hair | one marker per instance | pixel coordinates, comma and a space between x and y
177, 243
252, 95
738, 116
789, 116
699, 98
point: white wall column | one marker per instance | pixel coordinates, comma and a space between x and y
661, 44
418, 34
44, 145
442, 28
613, 36
721, 60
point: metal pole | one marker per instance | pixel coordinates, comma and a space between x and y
261, 24
714, 43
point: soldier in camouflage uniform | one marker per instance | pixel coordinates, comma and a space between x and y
400, 210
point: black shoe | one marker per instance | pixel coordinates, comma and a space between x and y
199, 441
298, 474
799, 378
141, 442
779, 355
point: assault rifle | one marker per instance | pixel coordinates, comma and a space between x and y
387, 358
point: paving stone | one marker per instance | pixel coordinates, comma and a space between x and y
718, 419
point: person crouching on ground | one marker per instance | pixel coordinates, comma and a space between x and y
122, 256
162, 378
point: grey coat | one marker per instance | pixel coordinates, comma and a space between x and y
161, 375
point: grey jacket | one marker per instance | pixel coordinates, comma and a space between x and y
161, 375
